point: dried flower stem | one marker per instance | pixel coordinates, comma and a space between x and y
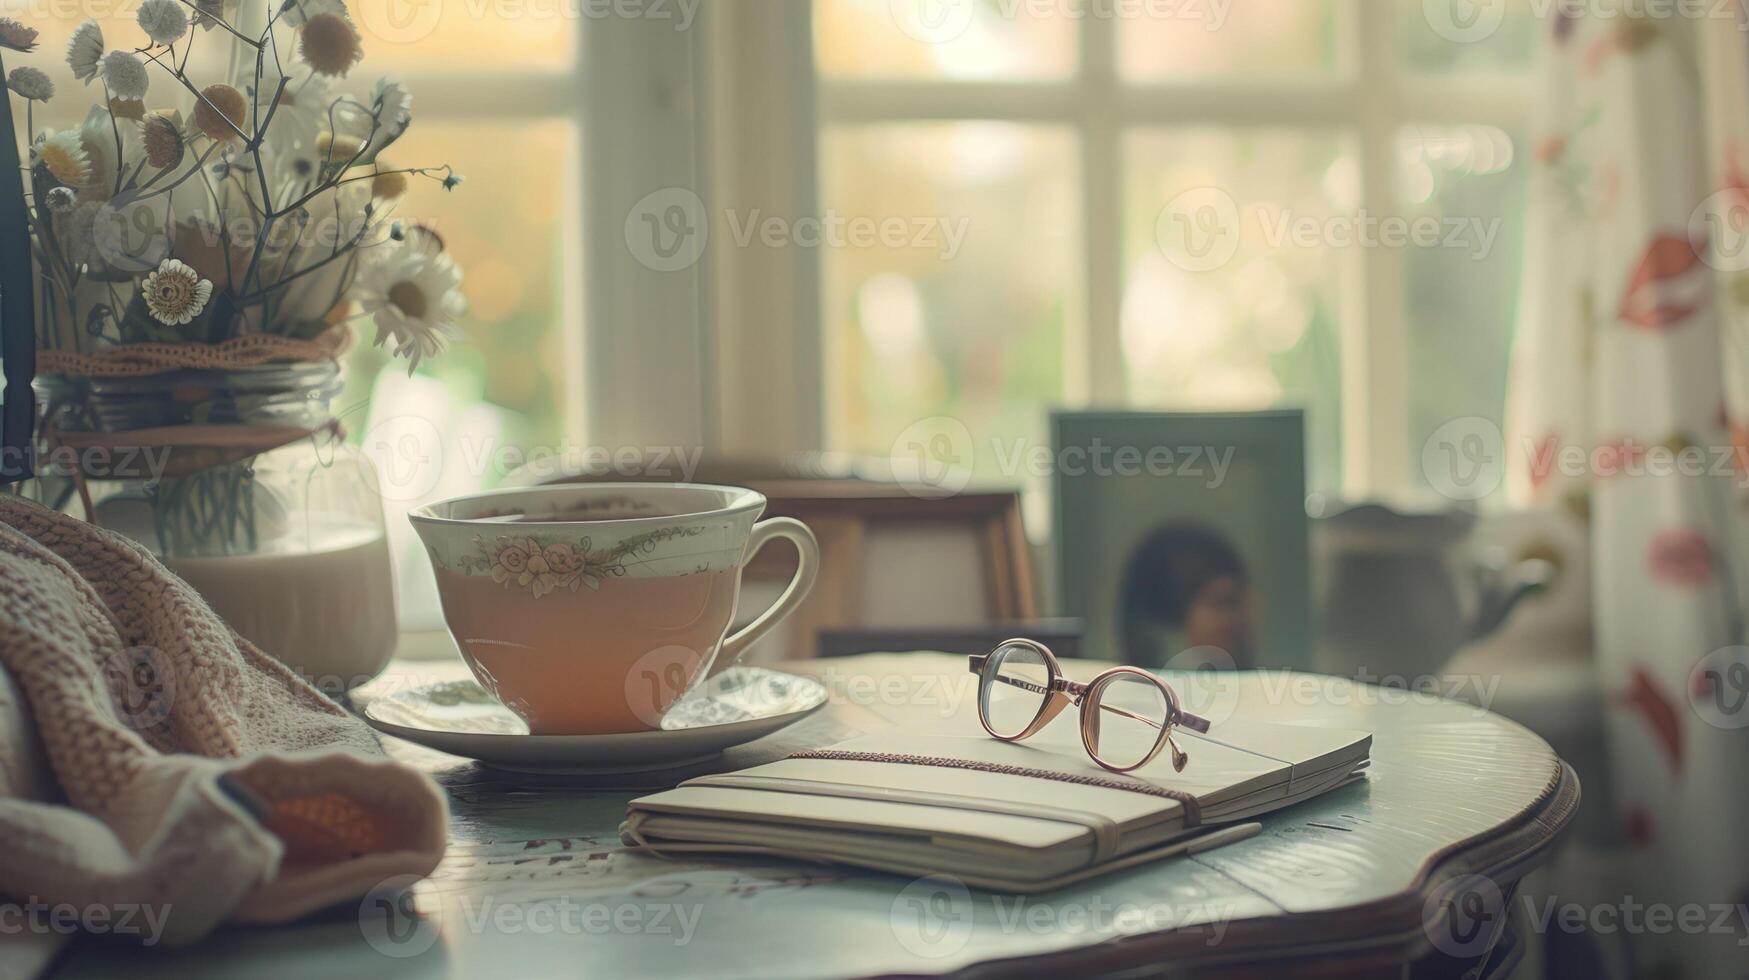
182, 79
223, 23
439, 174
115, 130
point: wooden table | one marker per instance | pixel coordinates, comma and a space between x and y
1416, 865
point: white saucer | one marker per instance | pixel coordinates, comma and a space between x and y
461, 718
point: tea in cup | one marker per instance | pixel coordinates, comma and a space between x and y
591, 609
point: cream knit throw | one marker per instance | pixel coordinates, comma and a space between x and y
187, 774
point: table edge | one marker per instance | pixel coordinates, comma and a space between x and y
1392, 927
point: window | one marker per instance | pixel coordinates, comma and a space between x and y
1020, 204
495, 96
1172, 204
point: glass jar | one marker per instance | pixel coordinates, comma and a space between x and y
241, 481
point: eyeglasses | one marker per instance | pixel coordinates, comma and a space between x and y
1127, 714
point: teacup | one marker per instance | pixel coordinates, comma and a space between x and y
592, 609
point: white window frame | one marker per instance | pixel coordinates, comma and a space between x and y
446, 94
729, 353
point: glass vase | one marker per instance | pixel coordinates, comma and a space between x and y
240, 480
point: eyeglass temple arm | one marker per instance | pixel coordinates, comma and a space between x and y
1195, 723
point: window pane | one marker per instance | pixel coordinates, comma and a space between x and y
1461, 296
511, 354
408, 36
1187, 40
1468, 35
965, 315
1233, 258
967, 39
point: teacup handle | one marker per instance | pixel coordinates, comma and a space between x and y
799, 585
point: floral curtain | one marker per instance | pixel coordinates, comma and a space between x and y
1628, 407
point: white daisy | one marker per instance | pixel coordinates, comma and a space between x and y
392, 105
164, 21
98, 133
63, 156
297, 13
175, 293
30, 83
126, 75
415, 296
84, 50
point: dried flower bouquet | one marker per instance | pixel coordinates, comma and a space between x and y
201, 228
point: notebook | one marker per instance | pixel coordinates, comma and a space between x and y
1018, 817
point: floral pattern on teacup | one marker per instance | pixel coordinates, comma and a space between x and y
524, 562
539, 569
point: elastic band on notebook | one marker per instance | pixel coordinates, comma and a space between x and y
1106, 833
1192, 810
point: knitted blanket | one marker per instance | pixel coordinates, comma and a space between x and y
162, 767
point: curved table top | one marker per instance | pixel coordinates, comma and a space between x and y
537, 883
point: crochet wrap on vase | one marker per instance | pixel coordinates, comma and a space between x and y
152, 758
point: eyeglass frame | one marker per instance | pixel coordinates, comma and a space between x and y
1060, 693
